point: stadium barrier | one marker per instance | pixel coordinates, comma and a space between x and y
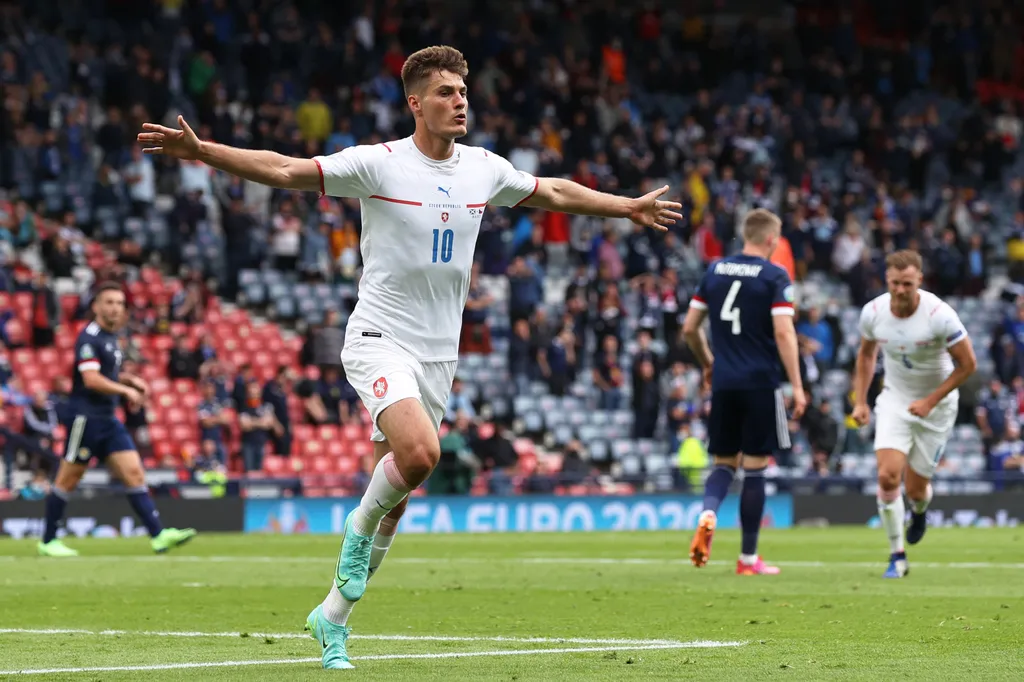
442, 514
112, 516
995, 509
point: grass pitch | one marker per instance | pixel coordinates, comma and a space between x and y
523, 607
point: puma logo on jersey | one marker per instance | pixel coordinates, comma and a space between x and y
447, 192
380, 387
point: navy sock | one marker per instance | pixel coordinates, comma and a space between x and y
751, 508
55, 503
717, 486
144, 508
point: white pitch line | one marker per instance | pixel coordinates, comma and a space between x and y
297, 635
600, 561
700, 644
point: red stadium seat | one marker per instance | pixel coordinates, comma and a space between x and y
183, 386
311, 448
303, 432
275, 466
337, 448
361, 448
352, 432
327, 432
347, 466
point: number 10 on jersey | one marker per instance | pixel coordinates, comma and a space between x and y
446, 240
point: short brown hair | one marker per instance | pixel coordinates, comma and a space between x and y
759, 224
903, 259
422, 63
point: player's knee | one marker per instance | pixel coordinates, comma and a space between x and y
417, 460
888, 479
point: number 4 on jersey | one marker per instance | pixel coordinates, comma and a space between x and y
729, 312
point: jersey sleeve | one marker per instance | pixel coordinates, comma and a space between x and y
783, 294
699, 301
866, 326
353, 172
947, 325
86, 358
511, 187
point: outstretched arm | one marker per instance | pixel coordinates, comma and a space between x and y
566, 196
257, 165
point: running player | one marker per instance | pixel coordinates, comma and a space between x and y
422, 199
921, 337
95, 431
749, 302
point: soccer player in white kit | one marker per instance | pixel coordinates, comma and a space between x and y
422, 200
928, 355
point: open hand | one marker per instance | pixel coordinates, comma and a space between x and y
649, 211
180, 144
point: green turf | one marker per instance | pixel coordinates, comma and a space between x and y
832, 619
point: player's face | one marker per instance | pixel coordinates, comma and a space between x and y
442, 103
903, 284
109, 309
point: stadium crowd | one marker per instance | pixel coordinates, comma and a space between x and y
867, 131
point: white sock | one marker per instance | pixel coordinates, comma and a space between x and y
386, 490
919, 506
748, 559
336, 607
382, 542
893, 516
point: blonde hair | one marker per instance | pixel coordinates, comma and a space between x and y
435, 59
759, 225
903, 259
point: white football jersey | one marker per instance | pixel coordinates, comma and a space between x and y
420, 221
916, 357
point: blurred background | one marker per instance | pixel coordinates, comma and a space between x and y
868, 126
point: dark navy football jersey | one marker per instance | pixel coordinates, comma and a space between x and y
741, 294
95, 349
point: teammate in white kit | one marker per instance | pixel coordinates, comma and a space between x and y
921, 337
422, 200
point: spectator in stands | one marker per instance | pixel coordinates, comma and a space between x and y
240, 388
213, 419
275, 393
691, 459
821, 428
646, 401
455, 468
188, 304
36, 439
819, 338
57, 256
206, 351
459, 403
140, 177
45, 312
558, 362
608, 376
339, 399
286, 238
526, 289
498, 457
1006, 459
476, 331
326, 341
576, 467
997, 407
313, 409
521, 356
181, 361
257, 423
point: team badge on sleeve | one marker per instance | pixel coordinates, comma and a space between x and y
789, 293
87, 352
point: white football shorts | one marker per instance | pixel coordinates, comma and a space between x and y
923, 441
383, 373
